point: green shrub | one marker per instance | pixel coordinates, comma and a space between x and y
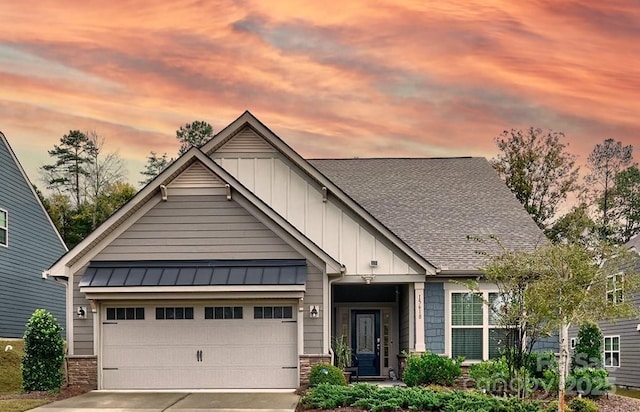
583, 405
430, 368
43, 353
553, 407
326, 396
326, 373
538, 363
492, 376
375, 399
588, 350
589, 381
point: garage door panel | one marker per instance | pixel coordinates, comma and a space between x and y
236, 353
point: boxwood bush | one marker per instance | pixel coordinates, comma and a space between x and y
43, 353
491, 376
326, 373
430, 368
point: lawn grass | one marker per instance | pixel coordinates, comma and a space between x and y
630, 393
10, 365
20, 405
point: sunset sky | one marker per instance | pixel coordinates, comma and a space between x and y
333, 79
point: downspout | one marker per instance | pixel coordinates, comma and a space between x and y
329, 312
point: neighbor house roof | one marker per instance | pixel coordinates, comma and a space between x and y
434, 204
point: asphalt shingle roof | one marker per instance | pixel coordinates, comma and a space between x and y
433, 204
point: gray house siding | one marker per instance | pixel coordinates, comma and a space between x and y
198, 227
313, 327
628, 373
434, 317
201, 227
33, 245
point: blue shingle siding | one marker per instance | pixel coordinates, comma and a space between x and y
33, 246
434, 317
550, 343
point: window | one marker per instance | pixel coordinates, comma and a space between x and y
612, 351
223, 312
467, 332
174, 313
273, 312
615, 290
498, 337
477, 332
573, 343
125, 313
4, 228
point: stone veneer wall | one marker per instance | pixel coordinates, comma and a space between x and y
306, 363
83, 371
434, 317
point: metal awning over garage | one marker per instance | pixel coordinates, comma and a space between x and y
194, 273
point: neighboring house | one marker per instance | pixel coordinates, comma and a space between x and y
29, 244
236, 266
621, 339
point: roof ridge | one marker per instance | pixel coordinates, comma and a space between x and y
398, 158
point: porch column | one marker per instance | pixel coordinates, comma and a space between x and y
418, 291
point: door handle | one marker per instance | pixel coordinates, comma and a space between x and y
201, 356
198, 356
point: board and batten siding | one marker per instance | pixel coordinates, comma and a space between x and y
197, 227
297, 198
33, 246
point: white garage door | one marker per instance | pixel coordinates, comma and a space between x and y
218, 345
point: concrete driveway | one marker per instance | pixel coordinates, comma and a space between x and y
174, 402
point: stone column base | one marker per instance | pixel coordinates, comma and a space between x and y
306, 363
83, 371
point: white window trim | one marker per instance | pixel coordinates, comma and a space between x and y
619, 351
485, 290
617, 277
573, 342
5, 228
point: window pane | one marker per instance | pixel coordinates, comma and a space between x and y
3, 236
237, 312
498, 339
616, 343
140, 313
169, 313
287, 312
467, 343
277, 312
130, 313
120, 314
257, 312
111, 313
219, 312
615, 359
159, 313
268, 312
3, 219
188, 313
208, 313
466, 309
179, 313
228, 312
607, 344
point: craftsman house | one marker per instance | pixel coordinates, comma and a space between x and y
236, 266
29, 244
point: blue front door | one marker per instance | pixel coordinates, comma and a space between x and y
365, 340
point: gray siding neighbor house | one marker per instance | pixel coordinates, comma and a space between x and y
29, 244
237, 266
621, 339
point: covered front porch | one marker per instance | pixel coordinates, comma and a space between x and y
379, 321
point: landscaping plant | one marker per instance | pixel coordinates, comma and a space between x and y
430, 368
326, 373
583, 405
43, 353
492, 376
588, 350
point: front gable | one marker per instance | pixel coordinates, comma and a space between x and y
295, 190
